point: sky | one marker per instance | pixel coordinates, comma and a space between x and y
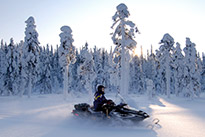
91, 21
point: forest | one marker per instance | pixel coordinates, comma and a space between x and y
28, 68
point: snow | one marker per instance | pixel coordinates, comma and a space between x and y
180, 118
66, 29
123, 11
121, 7
50, 116
30, 20
167, 38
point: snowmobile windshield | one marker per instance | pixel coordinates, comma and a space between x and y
119, 99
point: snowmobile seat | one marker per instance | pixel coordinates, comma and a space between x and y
82, 106
92, 110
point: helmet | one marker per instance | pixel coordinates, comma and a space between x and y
99, 87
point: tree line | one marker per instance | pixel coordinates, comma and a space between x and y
28, 68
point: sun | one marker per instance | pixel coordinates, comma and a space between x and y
135, 52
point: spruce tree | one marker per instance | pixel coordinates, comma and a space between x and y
3, 68
114, 73
43, 81
123, 38
203, 73
10, 76
98, 66
178, 66
66, 53
86, 71
136, 85
30, 55
56, 71
165, 60
191, 83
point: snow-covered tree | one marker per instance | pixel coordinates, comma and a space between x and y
85, 70
150, 69
136, 84
165, 60
66, 53
9, 76
159, 75
198, 73
142, 70
106, 67
150, 88
114, 73
123, 38
3, 68
178, 65
44, 82
75, 83
191, 83
1, 63
203, 73
101, 67
17, 68
98, 66
151, 65
56, 73
30, 55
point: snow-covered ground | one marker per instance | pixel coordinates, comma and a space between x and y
50, 116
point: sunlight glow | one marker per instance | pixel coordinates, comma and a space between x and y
136, 52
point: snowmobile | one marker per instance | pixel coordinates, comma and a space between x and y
110, 111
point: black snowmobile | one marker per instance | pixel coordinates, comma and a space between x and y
110, 111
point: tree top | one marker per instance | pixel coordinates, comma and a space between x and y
66, 29
30, 20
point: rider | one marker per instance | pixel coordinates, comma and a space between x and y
99, 98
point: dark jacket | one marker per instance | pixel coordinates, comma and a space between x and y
99, 100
